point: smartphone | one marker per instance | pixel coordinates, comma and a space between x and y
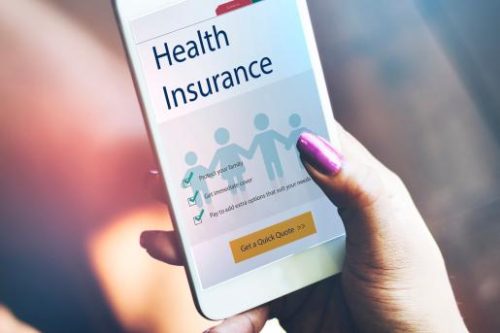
226, 88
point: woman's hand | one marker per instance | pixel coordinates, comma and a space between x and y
394, 278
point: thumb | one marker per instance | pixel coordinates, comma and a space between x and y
356, 182
393, 264
351, 179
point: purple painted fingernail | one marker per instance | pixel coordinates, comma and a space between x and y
320, 153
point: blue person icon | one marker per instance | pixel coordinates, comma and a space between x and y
229, 154
295, 121
198, 186
266, 142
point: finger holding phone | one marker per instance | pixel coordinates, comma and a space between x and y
394, 278
236, 256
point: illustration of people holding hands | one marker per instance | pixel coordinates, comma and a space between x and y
266, 141
229, 154
295, 122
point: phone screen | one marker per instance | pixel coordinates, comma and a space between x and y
231, 87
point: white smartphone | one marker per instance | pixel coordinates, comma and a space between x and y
226, 88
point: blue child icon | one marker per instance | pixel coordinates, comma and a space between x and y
266, 141
192, 179
229, 154
295, 121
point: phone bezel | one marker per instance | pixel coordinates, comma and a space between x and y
268, 282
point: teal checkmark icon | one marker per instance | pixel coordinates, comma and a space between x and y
200, 215
194, 197
187, 181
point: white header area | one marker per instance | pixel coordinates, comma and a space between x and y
176, 16
269, 29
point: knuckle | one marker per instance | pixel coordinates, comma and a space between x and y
368, 188
375, 185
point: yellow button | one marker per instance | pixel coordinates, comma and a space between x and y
272, 237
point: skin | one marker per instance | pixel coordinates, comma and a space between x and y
394, 277
54, 105
9, 323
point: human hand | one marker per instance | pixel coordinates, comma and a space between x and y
394, 277
9, 323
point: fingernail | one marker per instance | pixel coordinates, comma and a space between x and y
142, 240
154, 172
320, 153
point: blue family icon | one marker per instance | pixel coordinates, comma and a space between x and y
191, 179
295, 122
229, 154
266, 142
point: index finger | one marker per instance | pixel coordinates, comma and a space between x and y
164, 246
